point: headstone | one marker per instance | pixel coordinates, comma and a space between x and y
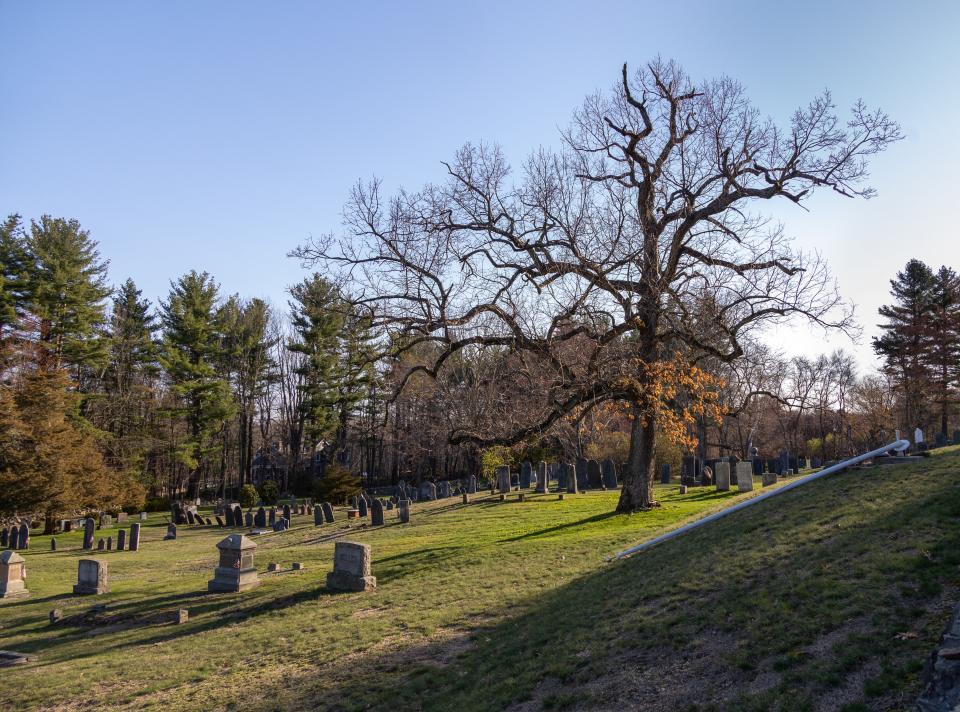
503, 479
181, 616
12, 574
272, 516
581, 473
466, 498
122, 517
273, 566
24, 536
171, 532
91, 577
109, 543
376, 513
190, 518
143, 516
542, 485
228, 514
514, 481
757, 466
404, 507
389, 504
88, 531
769, 478
594, 475
101, 544
14, 537
563, 472
744, 476
573, 477
472, 485
237, 516
723, 476
260, 518
106, 521
66, 525
121, 539
235, 571
287, 512
609, 474
362, 508
690, 470
4, 538
297, 566
683, 489
428, 491
665, 473
248, 519
53, 544
351, 568
526, 474
317, 517
135, 536
327, 512
941, 439
281, 525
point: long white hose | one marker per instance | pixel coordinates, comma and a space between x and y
897, 445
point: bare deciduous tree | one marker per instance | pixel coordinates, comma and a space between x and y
634, 241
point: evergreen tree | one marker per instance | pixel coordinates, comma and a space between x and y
14, 276
189, 354
129, 379
318, 315
48, 462
903, 343
246, 352
942, 343
67, 293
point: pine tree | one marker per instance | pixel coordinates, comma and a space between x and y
14, 276
48, 462
246, 353
189, 354
903, 342
942, 343
318, 316
129, 380
67, 293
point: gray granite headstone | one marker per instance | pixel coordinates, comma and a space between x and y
260, 518
404, 506
526, 474
573, 477
542, 485
135, 536
171, 532
24, 536
722, 473
351, 568
503, 479
88, 533
362, 506
237, 516
91, 577
472, 485
376, 513
327, 512
581, 473
665, 473
317, 517
609, 474
121, 540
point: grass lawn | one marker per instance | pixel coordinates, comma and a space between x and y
827, 598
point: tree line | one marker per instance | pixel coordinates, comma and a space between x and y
608, 297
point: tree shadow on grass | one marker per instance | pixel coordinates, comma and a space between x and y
561, 527
686, 624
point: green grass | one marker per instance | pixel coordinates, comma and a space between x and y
803, 598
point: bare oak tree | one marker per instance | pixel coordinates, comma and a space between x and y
633, 242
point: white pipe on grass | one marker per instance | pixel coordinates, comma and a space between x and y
898, 445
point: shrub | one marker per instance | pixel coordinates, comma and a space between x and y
248, 496
269, 492
338, 485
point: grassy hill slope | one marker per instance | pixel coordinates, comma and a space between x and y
827, 598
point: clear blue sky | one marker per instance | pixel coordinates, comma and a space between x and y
218, 135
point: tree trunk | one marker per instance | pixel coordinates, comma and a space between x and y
637, 492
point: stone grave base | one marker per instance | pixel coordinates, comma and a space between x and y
342, 581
